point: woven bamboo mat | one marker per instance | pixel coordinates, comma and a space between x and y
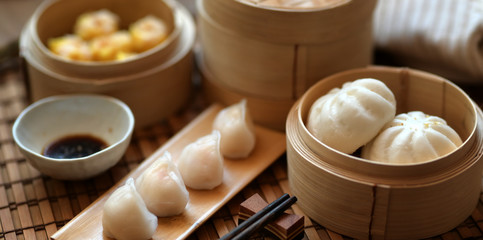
33, 206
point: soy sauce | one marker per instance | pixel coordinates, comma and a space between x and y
74, 146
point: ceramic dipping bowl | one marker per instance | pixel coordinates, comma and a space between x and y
67, 116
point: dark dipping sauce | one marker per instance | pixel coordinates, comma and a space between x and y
74, 146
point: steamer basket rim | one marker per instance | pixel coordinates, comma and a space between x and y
302, 118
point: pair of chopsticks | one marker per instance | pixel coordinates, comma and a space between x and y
261, 218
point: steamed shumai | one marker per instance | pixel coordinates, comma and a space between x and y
111, 47
162, 188
236, 129
125, 216
201, 163
97, 23
148, 32
411, 138
70, 47
349, 117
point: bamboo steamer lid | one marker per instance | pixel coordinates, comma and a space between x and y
368, 200
277, 53
154, 83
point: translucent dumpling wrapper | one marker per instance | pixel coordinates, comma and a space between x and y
237, 131
126, 217
96, 23
411, 138
201, 163
162, 188
349, 117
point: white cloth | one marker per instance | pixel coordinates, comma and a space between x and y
444, 37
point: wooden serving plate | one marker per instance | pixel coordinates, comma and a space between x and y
203, 203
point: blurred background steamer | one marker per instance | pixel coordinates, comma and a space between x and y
271, 52
153, 83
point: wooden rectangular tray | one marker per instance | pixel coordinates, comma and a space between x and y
237, 174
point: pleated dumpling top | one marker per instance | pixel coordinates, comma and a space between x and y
126, 217
201, 162
412, 137
349, 117
237, 131
162, 188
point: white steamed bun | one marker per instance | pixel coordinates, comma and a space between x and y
412, 137
348, 118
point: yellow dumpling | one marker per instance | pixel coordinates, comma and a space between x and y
108, 47
148, 32
94, 24
70, 47
124, 55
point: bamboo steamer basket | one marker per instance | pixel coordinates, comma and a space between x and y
277, 53
153, 83
264, 111
369, 200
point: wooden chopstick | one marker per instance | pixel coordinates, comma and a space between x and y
261, 218
265, 219
253, 218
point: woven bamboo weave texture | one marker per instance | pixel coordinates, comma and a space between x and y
34, 206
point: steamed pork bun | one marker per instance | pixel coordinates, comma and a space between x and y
348, 118
412, 137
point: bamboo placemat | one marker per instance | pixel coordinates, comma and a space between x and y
34, 206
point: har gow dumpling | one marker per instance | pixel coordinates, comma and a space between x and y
125, 215
236, 129
162, 188
201, 163
349, 117
412, 137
